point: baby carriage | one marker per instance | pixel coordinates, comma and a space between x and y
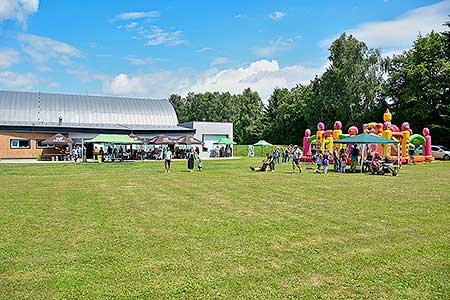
380, 167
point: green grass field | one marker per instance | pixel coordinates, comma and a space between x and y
130, 231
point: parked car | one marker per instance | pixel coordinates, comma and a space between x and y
440, 152
419, 150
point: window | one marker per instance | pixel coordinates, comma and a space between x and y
40, 146
434, 149
20, 144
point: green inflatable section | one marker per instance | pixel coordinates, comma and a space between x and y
417, 139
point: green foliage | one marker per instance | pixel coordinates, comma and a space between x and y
353, 89
248, 124
350, 88
245, 111
419, 84
285, 115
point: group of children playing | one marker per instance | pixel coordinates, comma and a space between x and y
319, 158
340, 157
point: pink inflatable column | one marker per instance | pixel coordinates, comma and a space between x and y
306, 144
426, 134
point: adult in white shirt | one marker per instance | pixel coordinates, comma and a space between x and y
167, 160
296, 157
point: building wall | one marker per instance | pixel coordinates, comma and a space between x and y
209, 132
32, 152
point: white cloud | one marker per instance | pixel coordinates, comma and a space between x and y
159, 36
402, 31
220, 61
138, 15
155, 85
12, 80
103, 55
131, 25
137, 61
274, 47
85, 75
17, 9
8, 57
152, 35
43, 49
262, 76
204, 50
392, 52
277, 15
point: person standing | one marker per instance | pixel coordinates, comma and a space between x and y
296, 157
290, 153
342, 159
109, 151
164, 151
326, 161
355, 155
336, 161
67, 153
271, 162
101, 155
200, 164
167, 160
319, 160
276, 153
74, 154
217, 152
191, 160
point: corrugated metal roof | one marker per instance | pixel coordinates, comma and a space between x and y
44, 109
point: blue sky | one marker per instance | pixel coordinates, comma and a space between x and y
155, 48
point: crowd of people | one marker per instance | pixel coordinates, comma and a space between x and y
320, 160
290, 153
192, 156
67, 154
340, 157
224, 151
157, 153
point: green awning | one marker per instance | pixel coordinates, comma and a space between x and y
119, 139
224, 141
365, 138
262, 143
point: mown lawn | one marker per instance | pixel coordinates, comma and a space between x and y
129, 231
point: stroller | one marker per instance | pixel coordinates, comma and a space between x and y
381, 167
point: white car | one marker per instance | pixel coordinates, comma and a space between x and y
440, 152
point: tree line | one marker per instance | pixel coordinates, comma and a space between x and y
356, 88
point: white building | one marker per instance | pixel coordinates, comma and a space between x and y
27, 118
208, 133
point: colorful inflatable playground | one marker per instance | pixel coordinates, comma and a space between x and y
404, 138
